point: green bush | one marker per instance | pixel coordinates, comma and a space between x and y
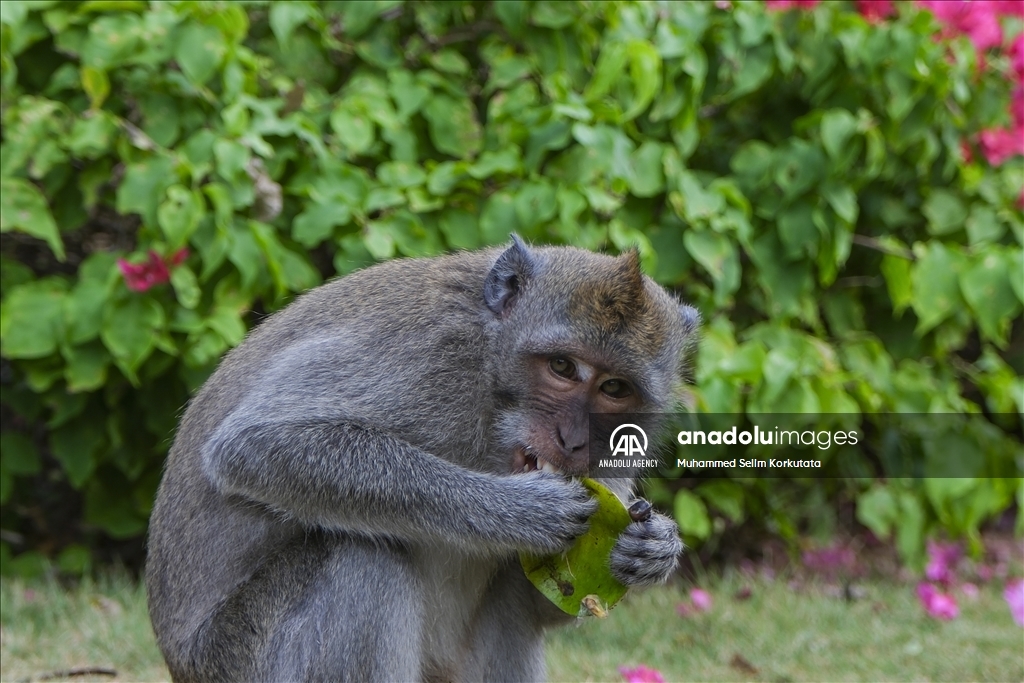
797, 175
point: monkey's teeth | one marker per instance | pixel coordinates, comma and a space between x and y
547, 467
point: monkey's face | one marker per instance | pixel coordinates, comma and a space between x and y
550, 429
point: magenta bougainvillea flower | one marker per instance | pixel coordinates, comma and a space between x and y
999, 144
641, 674
155, 271
1014, 595
875, 10
978, 20
937, 604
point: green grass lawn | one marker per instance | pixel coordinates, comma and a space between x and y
778, 634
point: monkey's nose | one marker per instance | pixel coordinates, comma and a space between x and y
569, 440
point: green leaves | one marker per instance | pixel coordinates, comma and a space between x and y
772, 168
32, 320
453, 126
23, 208
200, 51
935, 285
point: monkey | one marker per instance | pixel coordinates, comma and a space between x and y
346, 496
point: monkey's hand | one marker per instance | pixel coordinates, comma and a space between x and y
551, 512
647, 552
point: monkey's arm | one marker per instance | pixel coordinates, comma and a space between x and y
347, 477
647, 553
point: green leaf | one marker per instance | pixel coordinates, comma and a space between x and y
129, 330
87, 365
408, 93
144, 185
944, 211
648, 178
877, 509
179, 215
400, 174
23, 208
535, 204
96, 85
986, 287
186, 286
645, 72
896, 271
75, 445
355, 129
453, 126
379, 241
583, 570
611, 64
692, 515
316, 224
20, 454
460, 229
449, 61
837, 126
719, 257
499, 218
285, 17
983, 226
31, 319
200, 51
725, 496
934, 283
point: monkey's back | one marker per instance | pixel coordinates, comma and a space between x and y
388, 326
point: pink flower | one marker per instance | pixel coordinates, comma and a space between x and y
970, 591
789, 4
829, 559
641, 674
978, 20
875, 10
701, 600
1017, 106
937, 605
1009, 8
1016, 54
141, 276
999, 144
942, 558
1014, 594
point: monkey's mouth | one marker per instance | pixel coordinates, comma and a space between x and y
526, 460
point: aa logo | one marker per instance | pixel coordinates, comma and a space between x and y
626, 442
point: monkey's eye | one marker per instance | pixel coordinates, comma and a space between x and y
563, 367
616, 388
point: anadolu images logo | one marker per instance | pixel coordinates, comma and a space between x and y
628, 443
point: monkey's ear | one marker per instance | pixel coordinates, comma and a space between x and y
510, 273
691, 318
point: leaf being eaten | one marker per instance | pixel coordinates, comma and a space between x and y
579, 581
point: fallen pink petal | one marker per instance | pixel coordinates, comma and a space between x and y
641, 674
1014, 595
942, 559
938, 605
701, 599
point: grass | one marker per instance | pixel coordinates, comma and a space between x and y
779, 633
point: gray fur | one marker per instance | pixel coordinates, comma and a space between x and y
339, 504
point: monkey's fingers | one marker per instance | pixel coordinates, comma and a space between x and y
640, 510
